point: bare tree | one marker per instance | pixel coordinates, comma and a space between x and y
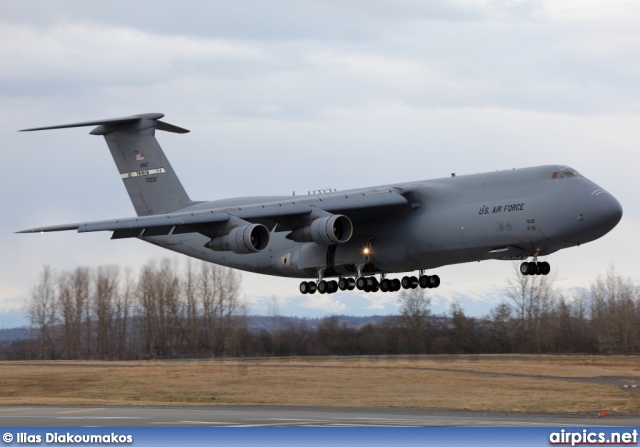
615, 311
274, 315
499, 325
219, 297
73, 300
532, 300
42, 312
103, 306
192, 314
414, 317
122, 316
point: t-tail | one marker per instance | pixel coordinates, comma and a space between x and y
146, 172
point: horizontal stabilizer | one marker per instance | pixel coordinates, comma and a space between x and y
160, 125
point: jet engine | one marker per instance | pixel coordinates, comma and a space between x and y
242, 240
325, 231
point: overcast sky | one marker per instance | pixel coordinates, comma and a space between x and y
285, 96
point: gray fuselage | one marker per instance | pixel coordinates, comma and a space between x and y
511, 214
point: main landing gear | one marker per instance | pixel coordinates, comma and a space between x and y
370, 284
535, 268
326, 286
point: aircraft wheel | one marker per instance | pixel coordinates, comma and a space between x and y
423, 282
361, 283
532, 268
343, 284
406, 282
434, 281
333, 286
376, 285
304, 287
385, 285
352, 283
524, 268
414, 282
539, 268
546, 268
367, 288
323, 286
396, 284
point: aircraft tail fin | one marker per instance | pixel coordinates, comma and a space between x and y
146, 172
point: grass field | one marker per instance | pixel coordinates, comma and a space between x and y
500, 383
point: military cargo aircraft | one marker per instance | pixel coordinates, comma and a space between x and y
340, 240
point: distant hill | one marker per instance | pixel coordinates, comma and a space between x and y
258, 322
14, 334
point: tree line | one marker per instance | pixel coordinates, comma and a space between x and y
196, 311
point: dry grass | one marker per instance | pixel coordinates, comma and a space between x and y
502, 383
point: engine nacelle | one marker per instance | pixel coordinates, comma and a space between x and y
242, 240
325, 231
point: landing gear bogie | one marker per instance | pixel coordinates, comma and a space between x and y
308, 287
535, 268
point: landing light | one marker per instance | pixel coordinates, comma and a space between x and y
366, 250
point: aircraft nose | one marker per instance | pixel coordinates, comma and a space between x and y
601, 215
610, 211
585, 215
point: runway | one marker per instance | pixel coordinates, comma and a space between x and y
255, 416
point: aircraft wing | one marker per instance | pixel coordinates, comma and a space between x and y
290, 214
155, 225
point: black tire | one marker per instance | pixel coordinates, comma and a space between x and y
333, 286
352, 284
546, 268
385, 285
539, 268
304, 287
361, 282
406, 282
434, 281
396, 285
312, 287
343, 284
423, 282
414, 282
524, 268
323, 286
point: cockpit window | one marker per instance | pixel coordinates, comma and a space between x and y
565, 173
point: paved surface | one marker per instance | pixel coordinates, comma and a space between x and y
245, 416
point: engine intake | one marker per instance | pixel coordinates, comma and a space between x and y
242, 240
325, 231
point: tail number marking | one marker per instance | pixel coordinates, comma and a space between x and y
144, 174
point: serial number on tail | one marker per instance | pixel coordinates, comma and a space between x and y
143, 173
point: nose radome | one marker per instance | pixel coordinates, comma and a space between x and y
613, 210
606, 213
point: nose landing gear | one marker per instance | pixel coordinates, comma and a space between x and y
535, 268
